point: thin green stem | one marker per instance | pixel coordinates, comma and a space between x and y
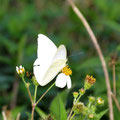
29, 93
78, 98
72, 116
27, 86
70, 113
34, 104
45, 93
89, 105
35, 93
69, 116
24, 80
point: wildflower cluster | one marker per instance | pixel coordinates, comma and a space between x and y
86, 111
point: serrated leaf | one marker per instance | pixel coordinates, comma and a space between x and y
57, 108
99, 116
41, 113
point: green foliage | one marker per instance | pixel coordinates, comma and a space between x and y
100, 115
57, 107
28, 115
41, 113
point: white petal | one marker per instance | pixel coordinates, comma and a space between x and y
68, 82
20, 71
17, 68
20, 66
61, 80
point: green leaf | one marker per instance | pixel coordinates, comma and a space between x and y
29, 115
57, 108
41, 113
99, 116
17, 110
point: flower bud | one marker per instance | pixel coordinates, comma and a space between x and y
91, 116
91, 99
89, 81
82, 91
35, 81
75, 94
27, 85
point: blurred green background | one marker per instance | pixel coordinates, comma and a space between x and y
20, 23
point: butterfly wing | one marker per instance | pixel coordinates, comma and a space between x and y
59, 61
61, 53
46, 49
45, 53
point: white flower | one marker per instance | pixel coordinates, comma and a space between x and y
51, 60
63, 78
20, 70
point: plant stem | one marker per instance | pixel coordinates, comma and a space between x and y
100, 54
24, 80
34, 104
35, 93
69, 116
72, 107
33, 109
70, 113
45, 93
116, 101
72, 116
114, 80
29, 93
78, 98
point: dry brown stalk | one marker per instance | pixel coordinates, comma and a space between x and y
97, 47
116, 101
114, 80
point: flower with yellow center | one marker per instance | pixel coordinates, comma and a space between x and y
20, 70
100, 101
66, 70
63, 78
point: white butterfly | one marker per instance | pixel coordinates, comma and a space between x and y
50, 61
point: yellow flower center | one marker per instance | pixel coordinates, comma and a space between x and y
21, 70
66, 70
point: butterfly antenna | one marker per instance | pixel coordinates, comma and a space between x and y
74, 54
